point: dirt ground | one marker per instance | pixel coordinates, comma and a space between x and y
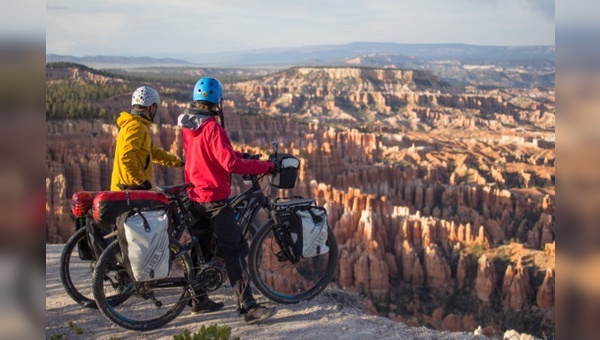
332, 315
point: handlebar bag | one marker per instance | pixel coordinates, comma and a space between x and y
287, 166
144, 239
108, 205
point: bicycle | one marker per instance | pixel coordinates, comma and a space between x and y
83, 249
151, 305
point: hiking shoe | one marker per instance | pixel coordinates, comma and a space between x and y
206, 306
257, 313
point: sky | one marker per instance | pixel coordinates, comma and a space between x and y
151, 27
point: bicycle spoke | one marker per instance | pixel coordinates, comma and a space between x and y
148, 305
284, 281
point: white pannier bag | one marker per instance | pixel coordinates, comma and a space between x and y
144, 239
309, 231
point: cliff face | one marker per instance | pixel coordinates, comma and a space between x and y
443, 215
393, 227
385, 97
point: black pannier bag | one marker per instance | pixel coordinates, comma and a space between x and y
144, 239
287, 173
96, 236
108, 205
307, 224
83, 247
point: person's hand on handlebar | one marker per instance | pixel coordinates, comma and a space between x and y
272, 159
274, 169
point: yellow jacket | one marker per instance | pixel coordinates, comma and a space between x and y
135, 152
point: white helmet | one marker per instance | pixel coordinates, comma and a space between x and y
145, 96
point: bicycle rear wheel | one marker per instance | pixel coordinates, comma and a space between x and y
75, 273
150, 305
283, 281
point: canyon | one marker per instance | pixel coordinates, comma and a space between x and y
441, 198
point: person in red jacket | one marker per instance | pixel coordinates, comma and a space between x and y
210, 160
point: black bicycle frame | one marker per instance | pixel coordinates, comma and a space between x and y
246, 206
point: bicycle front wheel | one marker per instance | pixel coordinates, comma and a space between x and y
286, 282
149, 305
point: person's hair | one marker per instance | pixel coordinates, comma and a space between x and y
206, 105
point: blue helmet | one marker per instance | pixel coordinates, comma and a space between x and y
208, 90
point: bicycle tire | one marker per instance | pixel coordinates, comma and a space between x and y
285, 282
141, 311
76, 274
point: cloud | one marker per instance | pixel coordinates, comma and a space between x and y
543, 7
105, 27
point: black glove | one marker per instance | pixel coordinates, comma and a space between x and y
249, 156
146, 185
274, 170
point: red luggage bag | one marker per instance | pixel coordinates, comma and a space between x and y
108, 205
81, 202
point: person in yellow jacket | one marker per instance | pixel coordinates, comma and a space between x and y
135, 152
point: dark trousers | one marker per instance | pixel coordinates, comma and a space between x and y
220, 217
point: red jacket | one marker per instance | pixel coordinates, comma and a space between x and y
210, 158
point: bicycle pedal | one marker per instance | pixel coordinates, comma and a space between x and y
88, 304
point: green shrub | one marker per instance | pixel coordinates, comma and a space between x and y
212, 332
72, 328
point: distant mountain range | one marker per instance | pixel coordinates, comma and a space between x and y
503, 66
328, 55
332, 54
112, 61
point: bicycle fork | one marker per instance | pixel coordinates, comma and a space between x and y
283, 239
